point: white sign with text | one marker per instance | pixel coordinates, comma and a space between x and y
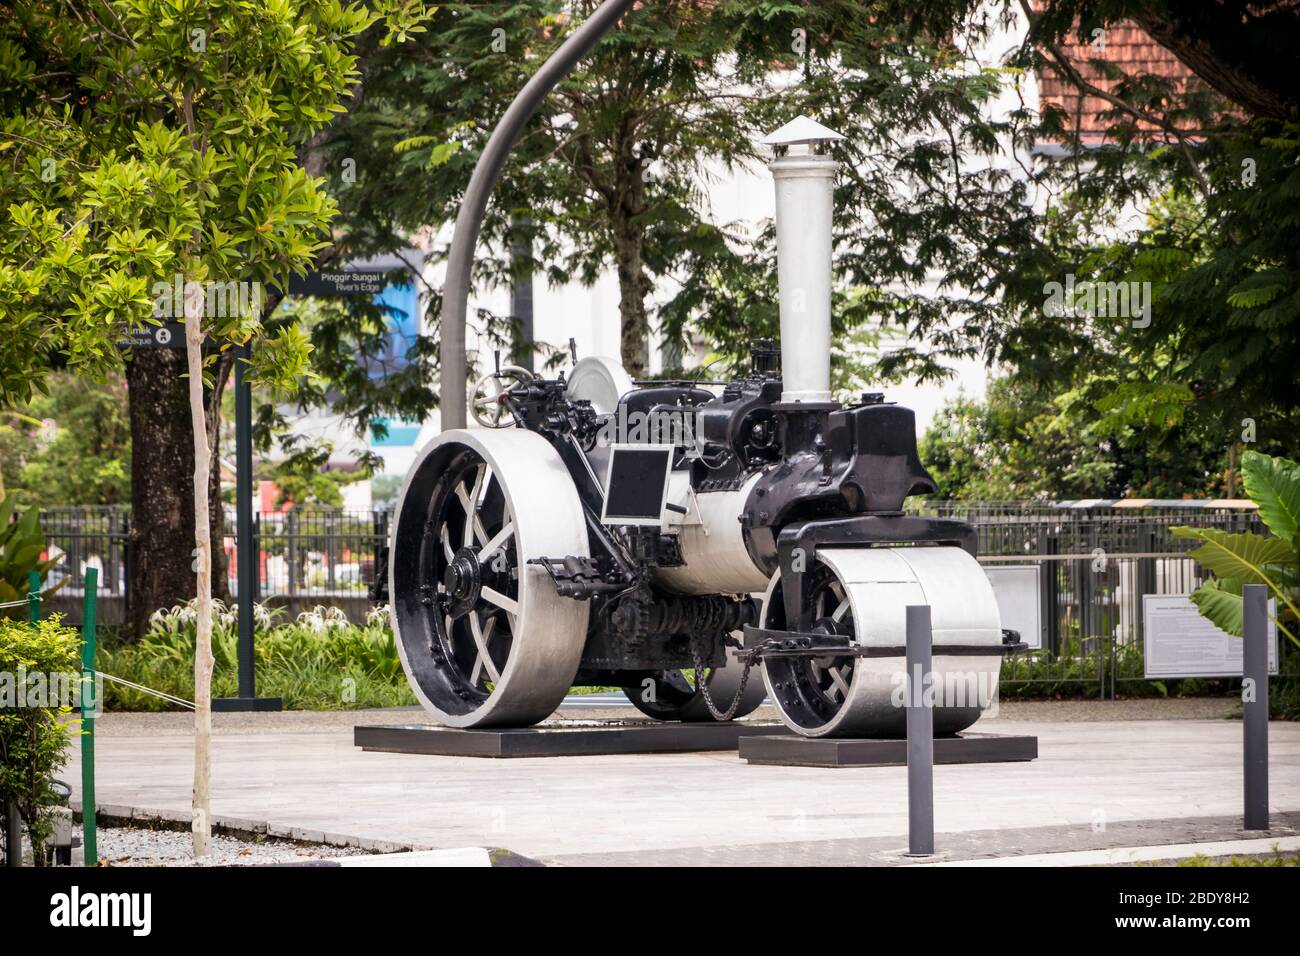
1179, 642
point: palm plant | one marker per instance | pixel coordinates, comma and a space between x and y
1236, 560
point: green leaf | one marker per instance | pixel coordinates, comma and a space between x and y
1274, 485
1236, 555
27, 554
1220, 605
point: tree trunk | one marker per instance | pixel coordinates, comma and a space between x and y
1221, 43
626, 202
201, 816
162, 508
216, 505
633, 283
633, 287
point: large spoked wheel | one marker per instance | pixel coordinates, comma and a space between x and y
675, 695
863, 594
483, 636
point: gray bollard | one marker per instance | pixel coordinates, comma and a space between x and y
1254, 718
920, 735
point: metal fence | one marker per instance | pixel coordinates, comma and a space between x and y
1094, 561
306, 557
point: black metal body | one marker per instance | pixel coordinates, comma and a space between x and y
830, 475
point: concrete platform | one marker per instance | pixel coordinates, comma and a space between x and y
573, 741
1097, 783
789, 750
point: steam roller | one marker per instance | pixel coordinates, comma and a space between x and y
696, 545
701, 545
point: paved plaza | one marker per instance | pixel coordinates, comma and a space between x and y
1098, 783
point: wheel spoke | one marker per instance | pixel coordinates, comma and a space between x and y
470, 501
447, 551
509, 605
838, 614
841, 687
468, 507
484, 659
497, 542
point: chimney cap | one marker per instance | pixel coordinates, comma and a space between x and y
801, 129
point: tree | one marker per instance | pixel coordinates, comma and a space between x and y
181, 118
1215, 162
1026, 441
926, 203
84, 458
607, 174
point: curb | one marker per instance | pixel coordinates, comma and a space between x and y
1122, 855
242, 828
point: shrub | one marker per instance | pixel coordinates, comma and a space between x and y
34, 731
21, 545
318, 661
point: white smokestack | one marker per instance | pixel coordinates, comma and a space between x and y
805, 181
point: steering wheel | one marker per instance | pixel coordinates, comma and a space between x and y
490, 394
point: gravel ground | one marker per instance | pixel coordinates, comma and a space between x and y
131, 846
123, 724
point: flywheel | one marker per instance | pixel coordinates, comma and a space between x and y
483, 636
601, 381
862, 594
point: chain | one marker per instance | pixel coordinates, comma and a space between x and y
702, 685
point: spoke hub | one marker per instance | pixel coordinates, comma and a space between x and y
463, 580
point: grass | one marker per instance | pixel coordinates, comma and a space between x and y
1277, 858
317, 662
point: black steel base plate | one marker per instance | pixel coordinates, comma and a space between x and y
788, 750
647, 738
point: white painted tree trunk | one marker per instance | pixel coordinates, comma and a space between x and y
201, 823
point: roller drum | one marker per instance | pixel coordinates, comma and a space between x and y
864, 593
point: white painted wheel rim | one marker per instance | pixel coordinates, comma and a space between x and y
525, 483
